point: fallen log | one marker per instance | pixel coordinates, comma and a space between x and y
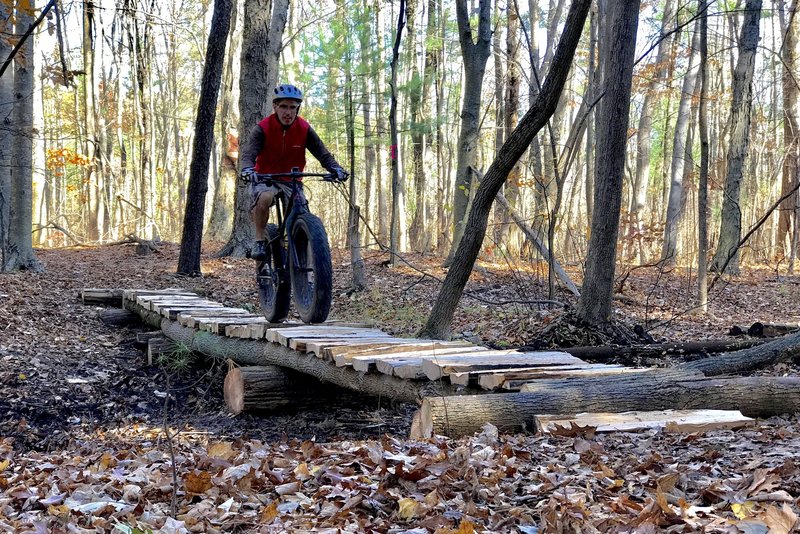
118, 317
656, 390
611, 352
269, 388
743, 361
257, 352
104, 297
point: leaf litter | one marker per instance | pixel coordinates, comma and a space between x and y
83, 446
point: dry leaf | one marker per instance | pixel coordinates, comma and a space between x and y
743, 510
270, 512
779, 520
407, 508
221, 449
197, 482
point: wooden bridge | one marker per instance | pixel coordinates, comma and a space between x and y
367, 360
370, 350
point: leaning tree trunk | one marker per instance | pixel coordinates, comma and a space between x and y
191, 240
441, 316
261, 47
726, 258
594, 306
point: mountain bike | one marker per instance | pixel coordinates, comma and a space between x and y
298, 263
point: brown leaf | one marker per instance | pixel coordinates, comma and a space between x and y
222, 450
197, 482
779, 520
270, 512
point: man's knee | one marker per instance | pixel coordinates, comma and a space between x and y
265, 200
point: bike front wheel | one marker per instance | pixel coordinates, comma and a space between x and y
273, 288
311, 269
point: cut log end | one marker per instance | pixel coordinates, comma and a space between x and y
234, 391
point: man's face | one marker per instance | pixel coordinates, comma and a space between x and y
286, 110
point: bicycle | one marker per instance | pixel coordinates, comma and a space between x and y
298, 263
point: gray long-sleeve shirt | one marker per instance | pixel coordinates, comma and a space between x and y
248, 151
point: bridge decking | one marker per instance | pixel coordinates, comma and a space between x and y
369, 350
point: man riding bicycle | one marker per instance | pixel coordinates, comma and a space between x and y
278, 144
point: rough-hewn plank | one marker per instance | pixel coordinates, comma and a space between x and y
190, 317
282, 336
668, 420
508, 378
106, 297
445, 365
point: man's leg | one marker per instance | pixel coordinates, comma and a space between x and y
261, 213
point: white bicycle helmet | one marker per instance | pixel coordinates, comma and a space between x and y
287, 91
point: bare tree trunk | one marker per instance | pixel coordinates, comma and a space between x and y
702, 185
475, 53
261, 44
791, 134
370, 156
6, 110
741, 110
19, 253
617, 56
189, 258
220, 221
380, 95
643, 141
397, 183
679, 151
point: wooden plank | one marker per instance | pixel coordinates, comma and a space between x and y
494, 378
668, 420
283, 335
147, 301
216, 325
389, 346
409, 364
172, 312
366, 362
438, 367
318, 345
344, 354
131, 294
167, 308
519, 384
189, 318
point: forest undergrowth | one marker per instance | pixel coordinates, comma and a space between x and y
83, 415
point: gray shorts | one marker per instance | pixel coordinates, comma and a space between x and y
274, 188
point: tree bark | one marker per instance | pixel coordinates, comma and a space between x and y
270, 388
741, 110
679, 155
398, 210
702, 181
791, 133
261, 46
441, 316
19, 251
594, 306
745, 360
514, 412
191, 240
643, 141
475, 53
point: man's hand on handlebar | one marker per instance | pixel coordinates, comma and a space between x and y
248, 174
339, 175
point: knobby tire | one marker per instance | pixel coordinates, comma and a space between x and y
273, 287
311, 269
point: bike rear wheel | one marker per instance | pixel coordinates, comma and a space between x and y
273, 289
310, 269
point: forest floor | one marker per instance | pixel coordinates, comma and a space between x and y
83, 448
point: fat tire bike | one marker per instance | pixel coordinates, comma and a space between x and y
298, 262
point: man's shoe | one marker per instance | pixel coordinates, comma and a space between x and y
259, 252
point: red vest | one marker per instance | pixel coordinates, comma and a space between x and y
283, 149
